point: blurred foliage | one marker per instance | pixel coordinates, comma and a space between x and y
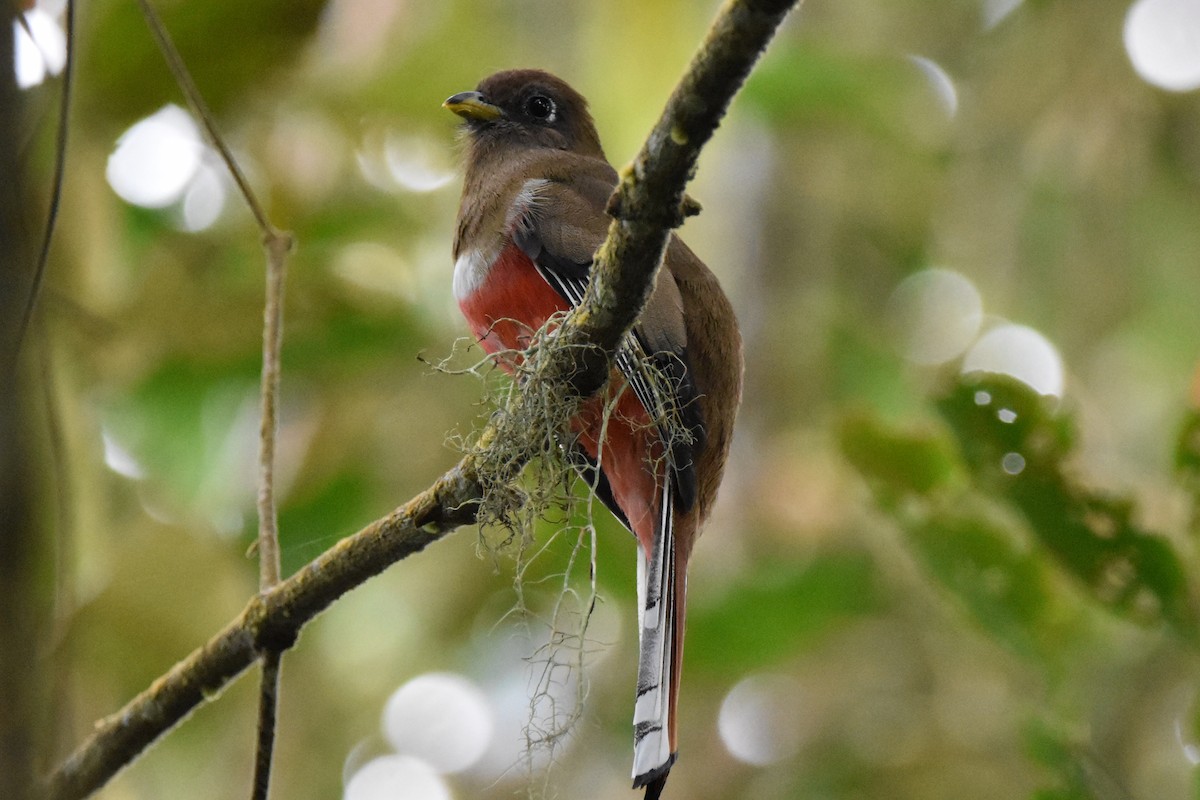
107, 72
1092, 534
1187, 462
1009, 481
958, 622
791, 605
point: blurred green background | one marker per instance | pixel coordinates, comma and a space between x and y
884, 605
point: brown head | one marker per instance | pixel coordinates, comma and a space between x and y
527, 108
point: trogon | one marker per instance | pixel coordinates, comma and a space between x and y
655, 441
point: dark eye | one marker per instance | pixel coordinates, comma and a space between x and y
540, 107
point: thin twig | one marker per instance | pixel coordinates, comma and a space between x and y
184, 78
56, 186
650, 202
268, 702
278, 244
268, 521
268, 525
24, 23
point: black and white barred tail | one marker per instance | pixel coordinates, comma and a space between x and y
658, 663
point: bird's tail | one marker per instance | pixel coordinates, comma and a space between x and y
661, 589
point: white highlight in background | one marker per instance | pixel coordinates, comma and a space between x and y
396, 777
44, 54
392, 161
760, 721
156, 159
1162, 38
416, 163
940, 81
1013, 463
1019, 352
1190, 751
440, 717
994, 11
119, 459
937, 314
203, 200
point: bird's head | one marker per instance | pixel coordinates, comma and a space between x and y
527, 108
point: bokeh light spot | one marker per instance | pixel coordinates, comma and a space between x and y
416, 164
760, 721
1191, 751
1019, 352
939, 81
995, 11
1012, 463
936, 313
119, 459
443, 718
203, 200
43, 54
396, 777
406, 162
156, 159
1162, 38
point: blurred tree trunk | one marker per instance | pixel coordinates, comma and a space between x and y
20, 612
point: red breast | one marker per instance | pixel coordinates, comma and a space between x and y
505, 303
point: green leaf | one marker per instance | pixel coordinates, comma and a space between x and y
918, 461
1052, 749
1000, 583
1187, 447
1187, 462
126, 74
777, 609
808, 83
994, 415
180, 425
1016, 443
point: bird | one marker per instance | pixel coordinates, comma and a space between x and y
531, 218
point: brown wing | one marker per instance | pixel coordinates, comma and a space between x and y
560, 233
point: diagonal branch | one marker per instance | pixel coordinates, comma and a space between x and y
650, 199
647, 204
270, 621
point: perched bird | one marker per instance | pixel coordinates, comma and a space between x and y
531, 218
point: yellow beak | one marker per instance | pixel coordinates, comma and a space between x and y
471, 105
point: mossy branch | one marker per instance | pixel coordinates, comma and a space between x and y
650, 200
648, 203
